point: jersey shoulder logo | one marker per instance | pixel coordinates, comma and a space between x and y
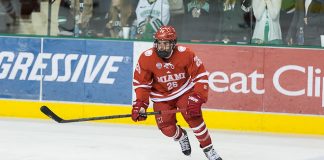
198, 61
148, 53
181, 48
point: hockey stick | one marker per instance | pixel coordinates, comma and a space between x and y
58, 119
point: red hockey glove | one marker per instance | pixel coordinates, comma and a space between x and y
139, 111
194, 105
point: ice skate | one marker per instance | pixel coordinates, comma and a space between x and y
211, 153
184, 143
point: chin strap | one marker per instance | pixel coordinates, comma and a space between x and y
169, 55
163, 55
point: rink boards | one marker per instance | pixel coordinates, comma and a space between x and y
215, 119
251, 88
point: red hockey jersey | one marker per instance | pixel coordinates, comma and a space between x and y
164, 80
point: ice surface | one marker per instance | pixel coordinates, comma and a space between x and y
26, 139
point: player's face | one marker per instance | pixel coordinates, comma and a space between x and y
164, 46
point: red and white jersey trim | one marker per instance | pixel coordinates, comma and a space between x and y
138, 85
202, 81
142, 86
155, 94
201, 75
187, 86
156, 97
135, 81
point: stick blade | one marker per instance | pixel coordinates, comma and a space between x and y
51, 114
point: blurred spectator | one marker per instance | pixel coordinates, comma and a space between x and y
97, 24
8, 16
233, 26
249, 19
198, 25
176, 7
27, 7
177, 11
307, 24
74, 17
151, 15
286, 16
66, 18
267, 28
121, 15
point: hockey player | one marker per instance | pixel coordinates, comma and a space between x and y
173, 77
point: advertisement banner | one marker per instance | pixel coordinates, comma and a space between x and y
296, 82
283, 80
74, 70
88, 71
16, 57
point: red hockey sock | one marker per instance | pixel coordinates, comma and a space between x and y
178, 133
201, 132
173, 131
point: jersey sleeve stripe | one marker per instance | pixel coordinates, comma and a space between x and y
155, 94
202, 81
201, 75
142, 86
135, 81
